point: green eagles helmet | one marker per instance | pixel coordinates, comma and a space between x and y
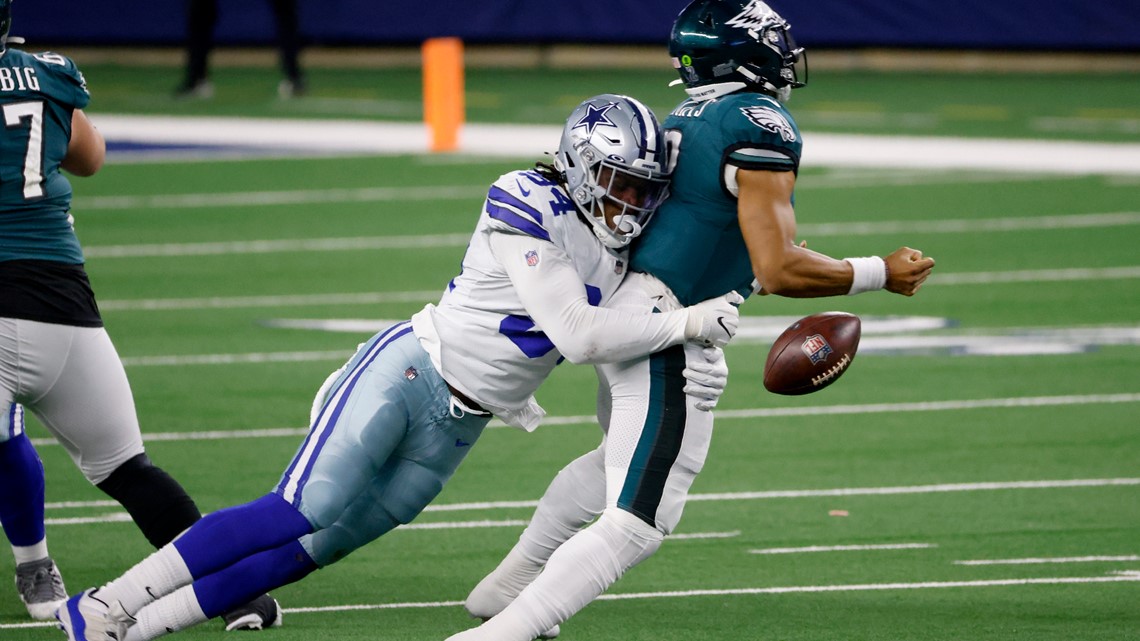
722, 46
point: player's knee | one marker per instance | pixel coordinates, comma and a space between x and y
331, 544
628, 535
99, 471
634, 525
157, 503
323, 502
407, 505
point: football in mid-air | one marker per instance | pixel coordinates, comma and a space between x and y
812, 353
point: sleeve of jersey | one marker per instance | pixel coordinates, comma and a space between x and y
511, 213
764, 137
70, 80
555, 298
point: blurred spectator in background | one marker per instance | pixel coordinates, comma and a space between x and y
202, 17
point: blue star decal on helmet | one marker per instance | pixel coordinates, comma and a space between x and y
595, 116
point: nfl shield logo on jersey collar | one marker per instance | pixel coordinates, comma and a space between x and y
531, 258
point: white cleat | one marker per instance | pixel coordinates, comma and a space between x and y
86, 617
494, 593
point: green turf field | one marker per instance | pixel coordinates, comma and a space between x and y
978, 480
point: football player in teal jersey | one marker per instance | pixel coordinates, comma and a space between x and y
728, 225
56, 359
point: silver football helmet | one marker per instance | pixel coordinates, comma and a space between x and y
613, 156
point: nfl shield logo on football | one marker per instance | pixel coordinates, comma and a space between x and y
531, 258
816, 348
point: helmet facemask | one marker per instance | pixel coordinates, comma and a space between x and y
793, 67
623, 200
613, 158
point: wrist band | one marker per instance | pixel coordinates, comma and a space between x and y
870, 274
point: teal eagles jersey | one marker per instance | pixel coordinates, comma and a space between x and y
694, 244
38, 93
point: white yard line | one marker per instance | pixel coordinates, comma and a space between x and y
423, 296
123, 517
1035, 276
684, 594
696, 536
290, 197
1056, 559
846, 180
880, 335
866, 587
925, 406
299, 300
278, 246
113, 517
236, 359
966, 225
462, 525
845, 548
514, 140
1074, 221
819, 410
794, 494
916, 489
876, 178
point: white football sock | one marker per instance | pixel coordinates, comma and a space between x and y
579, 571
575, 497
29, 553
172, 613
152, 578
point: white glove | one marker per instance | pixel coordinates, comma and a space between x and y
705, 379
713, 322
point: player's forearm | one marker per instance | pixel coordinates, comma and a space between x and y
588, 334
803, 273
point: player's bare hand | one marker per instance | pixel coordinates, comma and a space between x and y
907, 270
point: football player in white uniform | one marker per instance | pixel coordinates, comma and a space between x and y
390, 427
729, 224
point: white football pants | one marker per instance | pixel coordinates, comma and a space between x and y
71, 378
655, 444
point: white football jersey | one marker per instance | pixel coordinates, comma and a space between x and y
481, 336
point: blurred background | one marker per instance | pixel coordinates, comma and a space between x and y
243, 241
1027, 25
133, 51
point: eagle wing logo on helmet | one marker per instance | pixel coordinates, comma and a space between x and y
595, 116
771, 120
755, 16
